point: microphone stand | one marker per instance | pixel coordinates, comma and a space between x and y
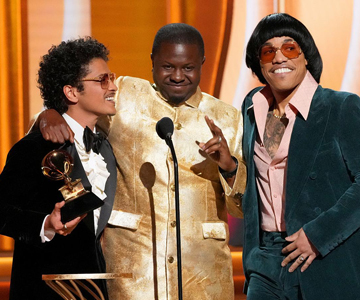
177, 212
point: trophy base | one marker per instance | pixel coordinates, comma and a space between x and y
73, 190
80, 206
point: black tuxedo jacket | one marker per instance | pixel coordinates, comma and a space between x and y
26, 197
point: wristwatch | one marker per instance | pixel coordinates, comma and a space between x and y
231, 173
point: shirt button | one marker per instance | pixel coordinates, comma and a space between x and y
178, 126
272, 168
170, 259
172, 187
173, 224
313, 175
275, 196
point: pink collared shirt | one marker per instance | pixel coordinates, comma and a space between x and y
271, 173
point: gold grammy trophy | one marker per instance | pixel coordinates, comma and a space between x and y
57, 165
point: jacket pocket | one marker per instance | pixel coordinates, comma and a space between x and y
125, 219
324, 148
214, 230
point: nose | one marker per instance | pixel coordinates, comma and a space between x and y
177, 75
279, 56
112, 86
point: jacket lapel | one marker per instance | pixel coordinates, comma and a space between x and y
110, 187
305, 141
79, 172
250, 199
249, 148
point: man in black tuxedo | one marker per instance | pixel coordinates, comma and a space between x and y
75, 80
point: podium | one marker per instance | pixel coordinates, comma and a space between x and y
73, 286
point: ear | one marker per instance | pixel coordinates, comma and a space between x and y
203, 60
71, 93
152, 60
306, 62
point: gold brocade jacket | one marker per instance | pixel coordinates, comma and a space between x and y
141, 235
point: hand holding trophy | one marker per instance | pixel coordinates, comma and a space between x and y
57, 165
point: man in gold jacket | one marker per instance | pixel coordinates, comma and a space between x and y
141, 235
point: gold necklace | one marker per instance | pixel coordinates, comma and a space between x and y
277, 116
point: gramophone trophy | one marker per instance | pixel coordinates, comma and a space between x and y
57, 165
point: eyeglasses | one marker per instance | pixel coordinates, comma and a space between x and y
104, 79
290, 50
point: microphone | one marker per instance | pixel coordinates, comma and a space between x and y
165, 129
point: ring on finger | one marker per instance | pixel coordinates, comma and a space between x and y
219, 141
65, 227
301, 258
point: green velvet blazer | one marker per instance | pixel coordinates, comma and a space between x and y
322, 193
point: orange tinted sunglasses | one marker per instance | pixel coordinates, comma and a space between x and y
290, 50
104, 79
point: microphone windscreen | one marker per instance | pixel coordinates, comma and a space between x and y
165, 128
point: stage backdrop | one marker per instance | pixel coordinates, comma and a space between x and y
29, 28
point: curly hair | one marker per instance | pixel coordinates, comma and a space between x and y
277, 25
178, 33
66, 64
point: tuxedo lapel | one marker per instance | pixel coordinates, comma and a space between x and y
110, 187
305, 141
79, 172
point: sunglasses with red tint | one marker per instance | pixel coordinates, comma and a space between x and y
104, 79
290, 50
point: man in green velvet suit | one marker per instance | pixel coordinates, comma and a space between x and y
302, 149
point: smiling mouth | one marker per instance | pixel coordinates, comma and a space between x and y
282, 70
177, 82
110, 98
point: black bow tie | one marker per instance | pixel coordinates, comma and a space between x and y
92, 140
